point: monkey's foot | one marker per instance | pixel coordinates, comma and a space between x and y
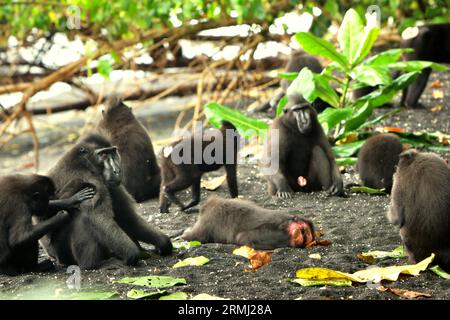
284, 194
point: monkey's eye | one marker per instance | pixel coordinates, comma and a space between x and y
82, 150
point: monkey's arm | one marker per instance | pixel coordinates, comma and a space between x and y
232, 179
138, 229
411, 95
73, 201
24, 232
337, 184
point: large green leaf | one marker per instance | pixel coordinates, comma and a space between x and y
325, 91
366, 44
247, 127
281, 104
318, 46
371, 75
312, 86
386, 57
152, 281
417, 65
348, 149
141, 294
350, 34
359, 118
330, 117
384, 94
304, 85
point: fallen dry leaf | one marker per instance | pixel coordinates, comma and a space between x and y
403, 293
438, 94
437, 108
214, 183
322, 243
244, 251
318, 233
437, 84
366, 259
302, 181
316, 256
260, 258
257, 258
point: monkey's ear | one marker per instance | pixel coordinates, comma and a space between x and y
408, 156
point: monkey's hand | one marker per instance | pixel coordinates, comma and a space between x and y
337, 189
83, 195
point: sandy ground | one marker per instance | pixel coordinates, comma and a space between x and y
353, 225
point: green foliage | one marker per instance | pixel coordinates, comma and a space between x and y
350, 70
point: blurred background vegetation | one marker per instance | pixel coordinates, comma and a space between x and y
219, 51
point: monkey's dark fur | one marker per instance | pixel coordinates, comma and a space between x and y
297, 61
377, 160
107, 227
303, 150
177, 177
240, 222
141, 173
420, 206
431, 44
21, 198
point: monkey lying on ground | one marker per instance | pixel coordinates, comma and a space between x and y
377, 160
106, 229
420, 206
241, 222
297, 61
301, 158
24, 196
432, 43
141, 173
223, 147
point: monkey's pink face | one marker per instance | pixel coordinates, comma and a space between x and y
300, 234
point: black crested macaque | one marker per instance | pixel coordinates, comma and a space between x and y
300, 157
377, 160
432, 43
222, 146
420, 206
240, 222
298, 60
105, 230
21, 198
141, 173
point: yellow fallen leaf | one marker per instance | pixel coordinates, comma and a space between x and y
315, 283
205, 296
214, 183
372, 274
437, 108
438, 94
398, 252
403, 293
244, 251
392, 273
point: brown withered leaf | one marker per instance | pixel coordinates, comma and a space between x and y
318, 233
319, 242
437, 84
214, 183
438, 94
366, 259
404, 293
259, 259
437, 108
